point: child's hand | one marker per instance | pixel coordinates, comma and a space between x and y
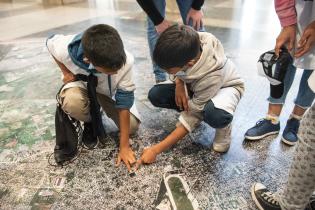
148, 156
180, 95
68, 77
307, 40
286, 37
127, 156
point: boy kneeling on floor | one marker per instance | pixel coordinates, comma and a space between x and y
207, 86
98, 55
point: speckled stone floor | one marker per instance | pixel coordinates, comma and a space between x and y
29, 81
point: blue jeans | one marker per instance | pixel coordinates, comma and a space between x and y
305, 96
163, 96
184, 7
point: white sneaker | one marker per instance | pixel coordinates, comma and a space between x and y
222, 139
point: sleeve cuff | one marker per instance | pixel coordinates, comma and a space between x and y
124, 99
288, 21
184, 123
197, 4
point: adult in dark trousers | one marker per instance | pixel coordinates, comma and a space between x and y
190, 11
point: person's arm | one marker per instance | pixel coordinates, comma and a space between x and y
57, 55
195, 14
149, 154
125, 152
124, 99
158, 20
181, 97
285, 10
150, 9
68, 76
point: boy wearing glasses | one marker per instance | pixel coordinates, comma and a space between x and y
207, 86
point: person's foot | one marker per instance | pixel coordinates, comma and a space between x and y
289, 135
61, 157
262, 129
222, 139
87, 139
311, 204
263, 198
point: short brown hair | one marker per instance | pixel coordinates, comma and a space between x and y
176, 46
103, 46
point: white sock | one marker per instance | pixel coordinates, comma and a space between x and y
274, 119
296, 116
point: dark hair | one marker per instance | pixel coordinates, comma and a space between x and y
103, 46
176, 46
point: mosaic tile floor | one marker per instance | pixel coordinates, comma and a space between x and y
28, 83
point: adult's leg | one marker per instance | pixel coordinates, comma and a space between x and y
108, 105
152, 35
301, 180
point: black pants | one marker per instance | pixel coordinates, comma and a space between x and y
163, 96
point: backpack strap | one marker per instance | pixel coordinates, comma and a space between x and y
98, 128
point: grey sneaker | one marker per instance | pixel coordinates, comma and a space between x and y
222, 139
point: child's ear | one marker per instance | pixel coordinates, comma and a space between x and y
191, 63
86, 60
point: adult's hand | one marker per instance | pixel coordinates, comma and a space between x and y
162, 26
307, 40
196, 17
286, 37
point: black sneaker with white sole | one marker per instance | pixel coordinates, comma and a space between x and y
88, 139
263, 198
311, 204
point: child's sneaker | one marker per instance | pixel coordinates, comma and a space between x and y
263, 128
289, 135
222, 139
264, 199
311, 204
88, 140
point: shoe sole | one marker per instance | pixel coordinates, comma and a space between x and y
290, 143
217, 149
255, 199
262, 136
90, 148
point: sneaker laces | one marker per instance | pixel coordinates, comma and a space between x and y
270, 197
260, 122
